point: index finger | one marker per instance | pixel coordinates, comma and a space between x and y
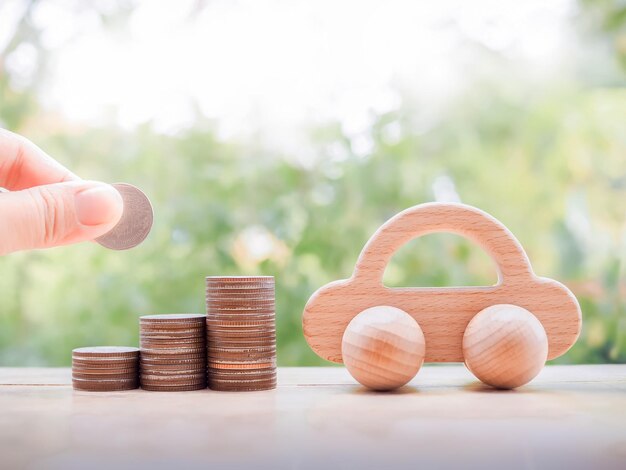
24, 165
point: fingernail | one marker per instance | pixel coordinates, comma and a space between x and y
98, 205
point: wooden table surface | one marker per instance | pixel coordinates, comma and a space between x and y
569, 417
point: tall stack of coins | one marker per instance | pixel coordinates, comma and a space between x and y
173, 352
105, 368
241, 333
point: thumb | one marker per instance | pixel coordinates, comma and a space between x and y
57, 214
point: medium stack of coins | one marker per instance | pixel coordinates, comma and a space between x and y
105, 368
241, 333
173, 352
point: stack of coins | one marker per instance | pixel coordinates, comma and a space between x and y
173, 352
241, 333
105, 368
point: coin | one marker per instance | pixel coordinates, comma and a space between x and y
174, 388
183, 379
238, 376
249, 294
242, 387
241, 302
239, 279
250, 325
101, 377
156, 359
241, 320
259, 358
173, 317
135, 223
104, 385
105, 351
175, 351
250, 340
228, 326
149, 331
242, 349
248, 353
240, 335
178, 367
240, 305
163, 337
247, 366
230, 384
156, 387
241, 341
172, 369
169, 334
216, 341
261, 294
173, 365
216, 348
213, 289
103, 370
234, 377
151, 356
155, 322
120, 388
104, 381
232, 330
174, 325
172, 344
247, 315
264, 372
177, 321
240, 313
172, 378
253, 349
223, 321
240, 317
103, 364
239, 287
240, 380
241, 365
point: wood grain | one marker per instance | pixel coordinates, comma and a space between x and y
442, 313
505, 346
568, 417
383, 348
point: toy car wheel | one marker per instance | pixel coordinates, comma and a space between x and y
505, 346
383, 347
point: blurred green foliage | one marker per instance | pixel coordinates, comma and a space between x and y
549, 162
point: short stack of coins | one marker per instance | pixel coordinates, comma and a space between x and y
173, 352
241, 333
105, 368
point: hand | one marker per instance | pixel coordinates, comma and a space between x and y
47, 205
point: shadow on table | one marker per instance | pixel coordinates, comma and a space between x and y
405, 390
484, 388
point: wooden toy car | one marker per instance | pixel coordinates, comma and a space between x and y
516, 325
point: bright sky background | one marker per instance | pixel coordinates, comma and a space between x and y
265, 68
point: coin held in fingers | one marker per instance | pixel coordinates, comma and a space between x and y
135, 223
